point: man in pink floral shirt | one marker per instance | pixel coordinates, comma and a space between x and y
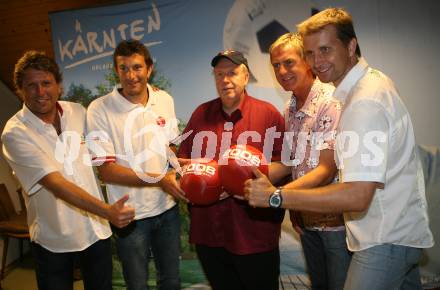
312, 116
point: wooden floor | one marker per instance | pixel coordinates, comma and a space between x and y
294, 282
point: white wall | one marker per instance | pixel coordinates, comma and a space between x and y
401, 39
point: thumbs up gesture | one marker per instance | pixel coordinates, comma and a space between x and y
258, 190
120, 215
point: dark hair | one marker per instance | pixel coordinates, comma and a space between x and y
338, 17
130, 47
37, 60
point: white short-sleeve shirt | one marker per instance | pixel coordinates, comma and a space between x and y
376, 143
137, 137
33, 149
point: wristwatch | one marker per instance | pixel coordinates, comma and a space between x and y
275, 199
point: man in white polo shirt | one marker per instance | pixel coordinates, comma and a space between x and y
381, 190
133, 126
44, 145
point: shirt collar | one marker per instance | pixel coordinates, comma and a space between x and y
309, 107
349, 81
36, 122
124, 105
238, 113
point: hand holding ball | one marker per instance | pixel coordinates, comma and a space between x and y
236, 167
201, 183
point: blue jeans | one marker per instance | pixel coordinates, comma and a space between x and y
160, 233
385, 267
327, 258
55, 270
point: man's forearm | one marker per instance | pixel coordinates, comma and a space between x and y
319, 176
75, 195
278, 171
114, 173
333, 198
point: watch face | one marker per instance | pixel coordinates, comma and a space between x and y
275, 200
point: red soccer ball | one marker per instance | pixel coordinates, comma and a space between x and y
201, 183
235, 167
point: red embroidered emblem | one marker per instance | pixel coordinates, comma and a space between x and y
160, 121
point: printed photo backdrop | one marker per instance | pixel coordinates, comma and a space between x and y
182, 36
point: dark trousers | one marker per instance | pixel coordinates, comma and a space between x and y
327, 258
55, 270
227, 271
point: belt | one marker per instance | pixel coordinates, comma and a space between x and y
317, 220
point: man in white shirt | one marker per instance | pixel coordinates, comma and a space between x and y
134, 126
381, 189
44, 145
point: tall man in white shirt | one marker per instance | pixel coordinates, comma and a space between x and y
66, 214
381, 189
134, 126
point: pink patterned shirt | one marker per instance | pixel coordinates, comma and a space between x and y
314, 129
